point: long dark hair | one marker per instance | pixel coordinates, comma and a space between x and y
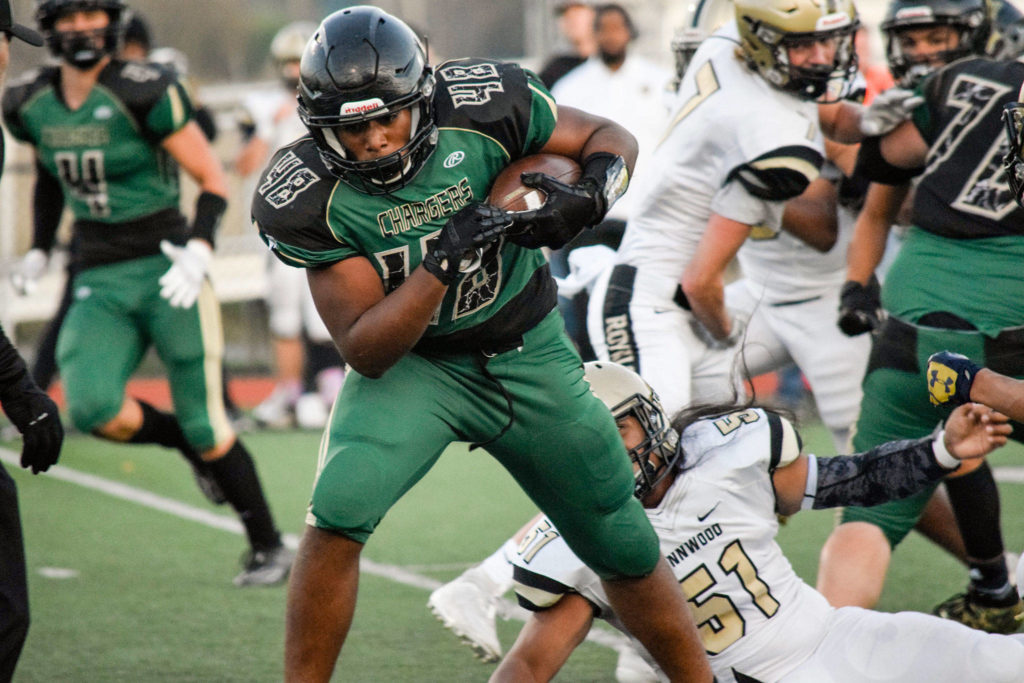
695, 412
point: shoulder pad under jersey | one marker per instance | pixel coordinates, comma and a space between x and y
780, 174
493, 98
290, 202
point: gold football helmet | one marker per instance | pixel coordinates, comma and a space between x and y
703, 17
768, 28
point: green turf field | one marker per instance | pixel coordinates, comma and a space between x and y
125, 588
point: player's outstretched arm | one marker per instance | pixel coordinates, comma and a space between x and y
891, 471
546, 641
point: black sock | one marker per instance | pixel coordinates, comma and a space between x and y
975, 501
235, 472
163, 429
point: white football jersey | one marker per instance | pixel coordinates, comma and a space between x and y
736, 146
717, 528
275, 117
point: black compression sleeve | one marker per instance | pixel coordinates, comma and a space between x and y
892, 471
12, 367
209, 210
873, 166
47, 206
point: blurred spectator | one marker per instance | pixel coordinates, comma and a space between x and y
576, 24
309, 371
629, 90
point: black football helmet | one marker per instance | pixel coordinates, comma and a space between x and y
360, 64
79, 48
971, 18
626, 393
1007, 40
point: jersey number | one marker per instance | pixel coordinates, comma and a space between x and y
985, 191
86, 178
718, 619
733, 421
538, 537
475, 291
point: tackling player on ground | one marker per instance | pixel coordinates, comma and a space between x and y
712, 484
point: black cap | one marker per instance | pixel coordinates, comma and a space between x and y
8, 26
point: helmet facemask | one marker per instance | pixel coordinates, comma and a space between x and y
660, 442
1013, 162
821, 82
81, 49
972, 26
387, 173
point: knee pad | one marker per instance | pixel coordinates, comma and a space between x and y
618, 545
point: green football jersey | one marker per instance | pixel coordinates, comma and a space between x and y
488, 114
106, 153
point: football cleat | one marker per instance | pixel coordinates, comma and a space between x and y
469, 612
633, 668
265, 567
968, 610
277, 411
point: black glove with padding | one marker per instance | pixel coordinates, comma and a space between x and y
459, 247
568, 209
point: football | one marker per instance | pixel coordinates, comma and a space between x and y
509, 193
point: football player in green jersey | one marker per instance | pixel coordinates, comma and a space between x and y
445, 310
109, 136
965, 236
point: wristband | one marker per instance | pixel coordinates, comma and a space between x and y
611, 175
210, 208
942, 454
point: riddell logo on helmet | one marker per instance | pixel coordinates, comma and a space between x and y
830, 21
361, 106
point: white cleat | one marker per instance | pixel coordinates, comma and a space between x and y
469, 612
633, 668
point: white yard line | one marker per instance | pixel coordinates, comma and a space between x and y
153, 501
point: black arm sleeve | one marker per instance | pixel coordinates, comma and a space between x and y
873, 166
892, 471
47, 206
12, 367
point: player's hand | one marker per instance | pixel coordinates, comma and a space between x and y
737, 327
459, 248
860, 307
950, 376
35, 415
181, 283
888, 110
26, 278
567, 209
974, 430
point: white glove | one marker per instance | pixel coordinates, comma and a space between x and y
181, 283
26, 278
888, 110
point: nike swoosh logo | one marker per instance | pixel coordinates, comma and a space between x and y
707, 514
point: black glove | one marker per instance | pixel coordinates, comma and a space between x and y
568, 209
35, 415
860, 307
463, 237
